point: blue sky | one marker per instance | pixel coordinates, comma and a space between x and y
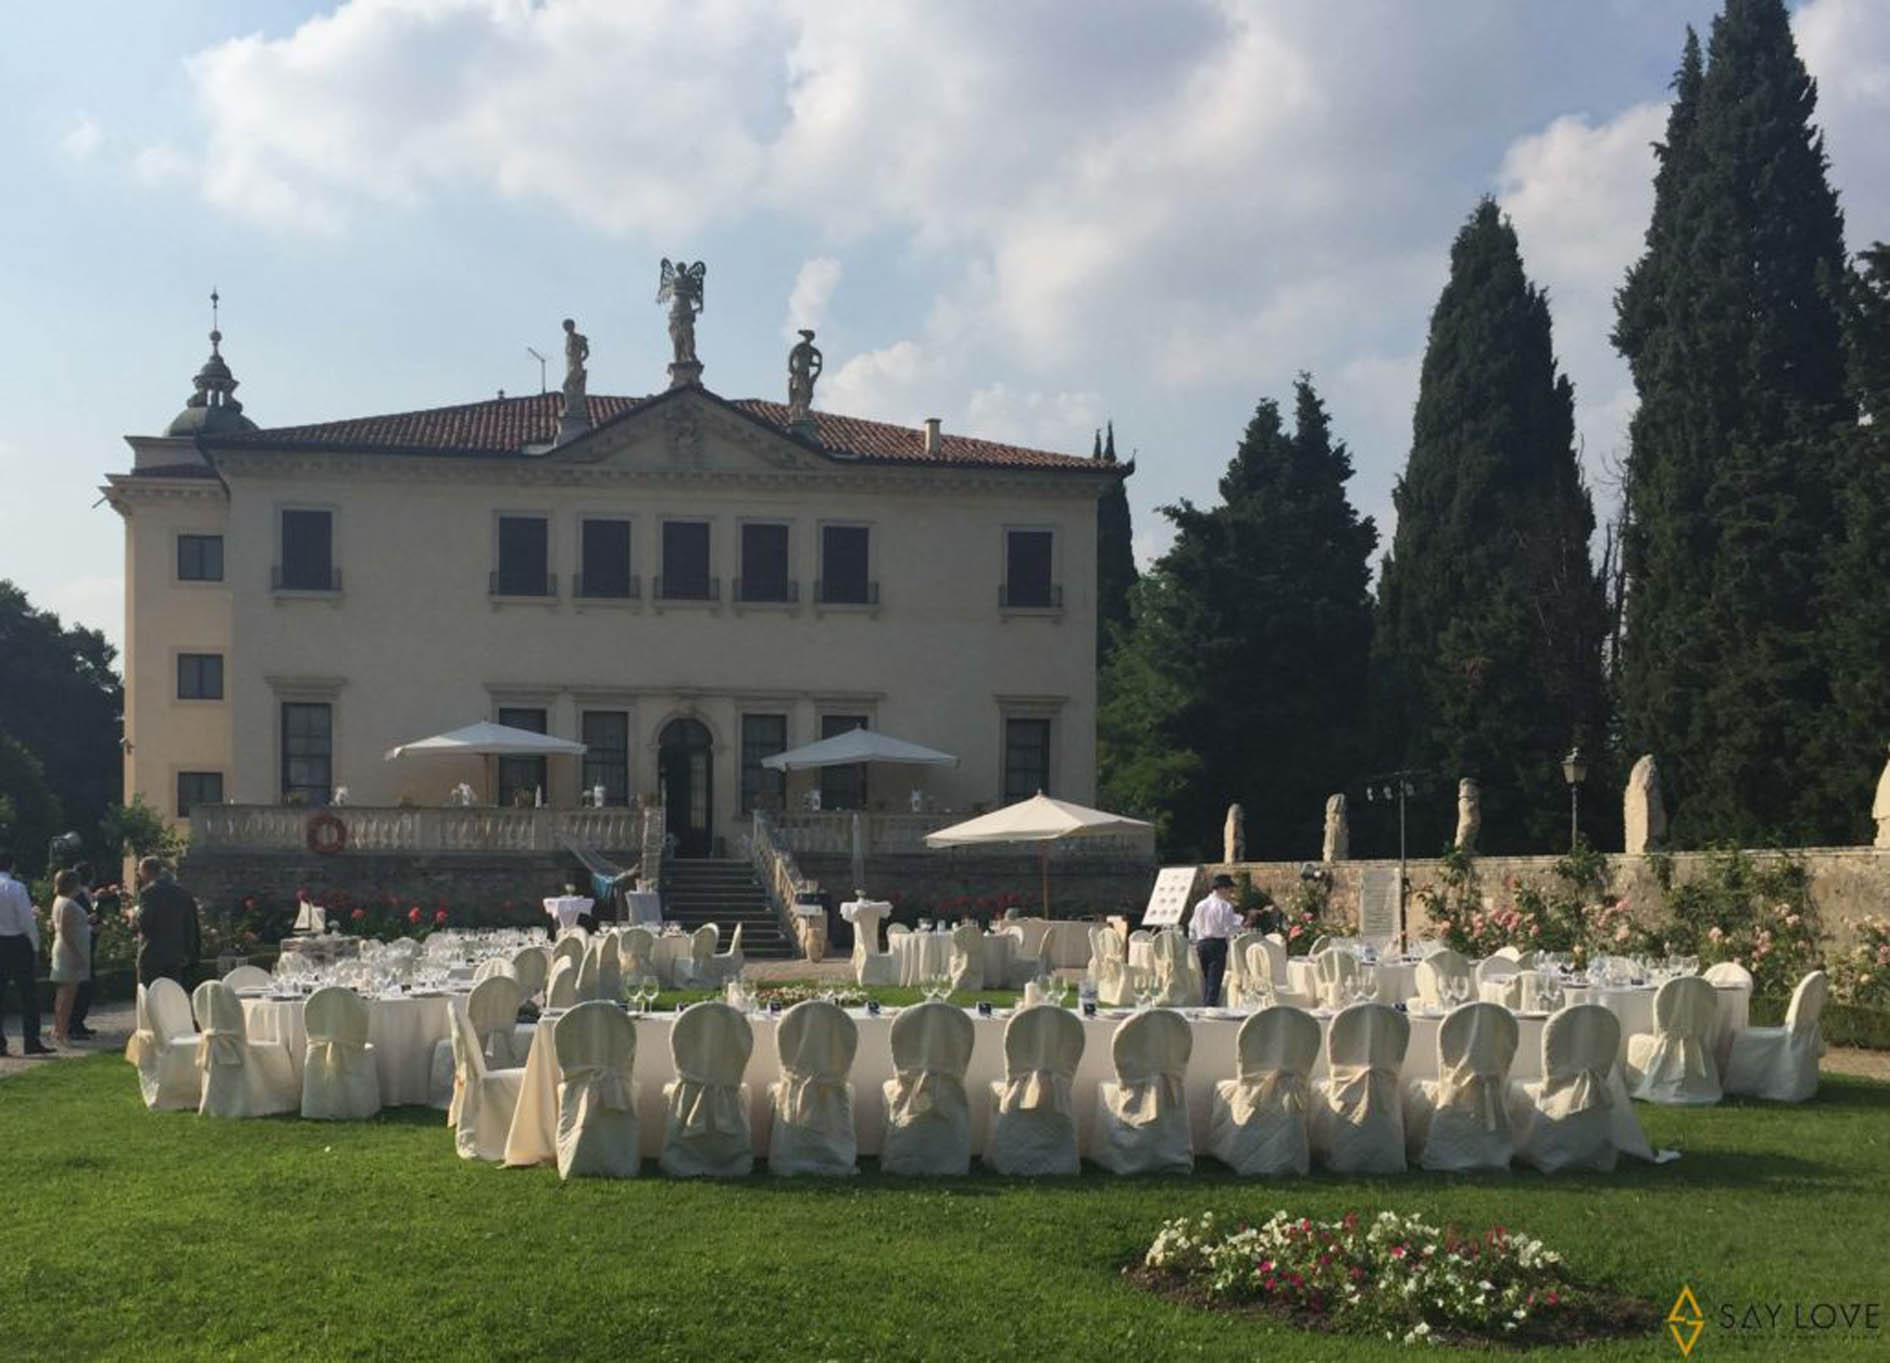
1022, 218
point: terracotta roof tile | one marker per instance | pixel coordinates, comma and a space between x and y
505, 426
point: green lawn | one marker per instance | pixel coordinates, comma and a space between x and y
161, 1235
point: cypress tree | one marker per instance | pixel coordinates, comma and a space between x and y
1490, 615
1115, 552
1243, 678
1730, 328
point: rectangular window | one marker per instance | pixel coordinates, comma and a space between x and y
606, 736
200, 676
521, 778
842, 787
605, 570
1026, 758
198, 788
308, 552
764, 564
524, 557
762, 787
308, 751
1027, 569
844, 567
686, 561
200, 558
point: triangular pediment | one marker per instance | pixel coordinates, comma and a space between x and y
690, 430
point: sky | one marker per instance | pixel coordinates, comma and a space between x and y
1025, 218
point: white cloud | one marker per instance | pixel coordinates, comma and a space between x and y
812, 291
1580, 193
885, 384
160, 164
1846, 43
82, 139
1060, 421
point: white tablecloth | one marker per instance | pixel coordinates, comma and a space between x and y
921, 955
1634, 1006
533, 1136
643, 906
403, 1032
847, 908
565, 908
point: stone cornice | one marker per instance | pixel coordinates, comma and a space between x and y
123, 491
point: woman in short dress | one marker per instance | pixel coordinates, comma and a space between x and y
71, 952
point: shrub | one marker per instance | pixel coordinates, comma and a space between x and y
1861, 976
1755, 911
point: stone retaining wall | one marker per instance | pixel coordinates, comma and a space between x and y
1078, 888
470, 880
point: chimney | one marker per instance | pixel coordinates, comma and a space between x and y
931, 435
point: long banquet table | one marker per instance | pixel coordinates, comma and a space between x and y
533, 1136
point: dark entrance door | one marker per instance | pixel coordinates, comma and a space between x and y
683, 766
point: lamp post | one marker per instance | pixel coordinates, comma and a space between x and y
1399, 786
1574, 771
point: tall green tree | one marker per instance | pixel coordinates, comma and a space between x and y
1488, 651
29, 811
1730, 325
61, 699
1243, 677
1115, 551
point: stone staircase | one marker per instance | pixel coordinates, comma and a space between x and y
724, 892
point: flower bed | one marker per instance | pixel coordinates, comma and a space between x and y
1396, 1276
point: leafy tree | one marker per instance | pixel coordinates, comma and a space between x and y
29, 811
139, 830
1730, 328
62, 700
1115, 551
1490, 614
1243, 676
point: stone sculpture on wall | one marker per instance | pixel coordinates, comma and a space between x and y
1880, 807
1338, 840
1643, 814
1234, 835
1469, 814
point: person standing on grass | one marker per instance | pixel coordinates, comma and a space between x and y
169, 938
1215, 919
71, 953
82, 1006
19, 957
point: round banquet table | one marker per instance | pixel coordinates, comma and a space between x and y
668, 954
1634, 1006
533, 1135
403, 1031
921, 955
642, 906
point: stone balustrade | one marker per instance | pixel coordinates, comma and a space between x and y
830, 832
265, 828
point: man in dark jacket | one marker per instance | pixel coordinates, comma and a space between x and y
169, 938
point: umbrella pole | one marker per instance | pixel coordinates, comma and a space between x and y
1046, 878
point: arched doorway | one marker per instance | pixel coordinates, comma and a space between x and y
683, 768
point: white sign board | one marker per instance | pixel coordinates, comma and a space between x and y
1378, 904
1169, 899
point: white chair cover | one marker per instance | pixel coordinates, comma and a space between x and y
569, 947
609, 969
1461, 1120
705, 1129
240, 1079
1674, 1063
1781, 1063
1275, 974
1512, 953
483, 1099
1178, 979
493, 965
928, 1116
164, 1049
340, 1079
693, 971
1033, 1119
1339, 975
967, 957
727, 965
871, 966
1728, 973
1257, 1122
1566, 1120
493, 1008
1109, 969
1320, 946
636, 952
1142, 1118
561, 991
1493, 975
1234, 984
1531, 991
1358, 1110
812, 1131
531, 967
249, 977
597, 1110
1437, 971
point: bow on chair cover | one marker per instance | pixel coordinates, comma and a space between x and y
1465, 1089
1279, 1090
705, 1105
636, 950
143, 1043
919, 1092
1676, 1063
223, 1036
818, 1102
610, 1084
1037, 1091
1564, 1095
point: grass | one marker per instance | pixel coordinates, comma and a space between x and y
162, 1235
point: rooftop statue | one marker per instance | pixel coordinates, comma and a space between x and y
681, 286
804, 364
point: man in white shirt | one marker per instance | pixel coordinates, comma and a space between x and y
1214, 920
19, 957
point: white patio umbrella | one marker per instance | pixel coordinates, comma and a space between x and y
856, 746
486, 739
1039, 819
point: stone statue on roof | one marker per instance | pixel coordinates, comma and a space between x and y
681, 286
804, 364
577, 349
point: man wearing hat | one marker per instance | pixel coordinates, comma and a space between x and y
1214, 921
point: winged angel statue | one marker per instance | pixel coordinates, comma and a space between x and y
681, 286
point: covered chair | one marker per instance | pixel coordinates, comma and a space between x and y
727, 965
812, 1130
484, 1097
531, 967
705, 1129
164, 1048
492, 1008
1234, 984
1781, 1063
241, 1078
493, 965
693, 970
1269, 975
1461, 1120
1493, 976
1109, 969
561, 990
569, 947
1674, 1064
967, 960
1033, 1117
1441, 971
871, 966
340, 1079
928, 1116
1257, 1121
1178, 981
608, 986
1566, 1120
636, 952
1358, 1109
1340, 977
597, 1110
1728, 974
249, 977
1142, 1118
